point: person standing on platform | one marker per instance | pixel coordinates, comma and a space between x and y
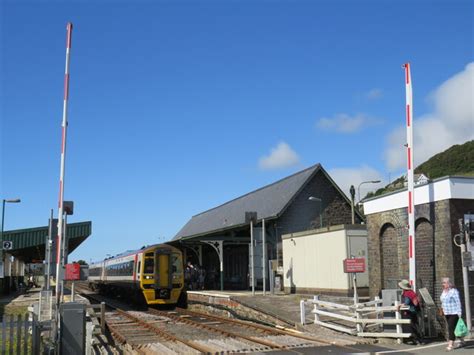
451, 304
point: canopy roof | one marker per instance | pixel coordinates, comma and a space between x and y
29, 244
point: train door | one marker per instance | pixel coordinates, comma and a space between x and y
162, 269
162, 274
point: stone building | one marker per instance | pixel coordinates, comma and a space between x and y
438, 207
219, 239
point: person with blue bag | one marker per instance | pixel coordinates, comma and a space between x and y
451, 305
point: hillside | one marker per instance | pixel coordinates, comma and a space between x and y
457, 160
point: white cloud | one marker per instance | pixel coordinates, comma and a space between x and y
281, 156
345, 177
344, 123
374, 94
451, 122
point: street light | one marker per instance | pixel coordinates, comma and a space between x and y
312, 198
365, 182
15, 200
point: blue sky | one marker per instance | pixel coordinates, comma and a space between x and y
178, 106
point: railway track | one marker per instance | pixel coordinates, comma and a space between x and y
182, 331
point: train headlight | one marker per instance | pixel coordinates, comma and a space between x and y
148, 277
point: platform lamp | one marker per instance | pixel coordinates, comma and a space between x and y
317, 199
365, 182
4, 201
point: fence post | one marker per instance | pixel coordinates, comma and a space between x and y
358, 325
11, 334
18, 334
302, 313
27, 333
316, 316
102, 317
399, 326
377, 311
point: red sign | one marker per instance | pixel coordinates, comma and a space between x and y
73, 272
354, 265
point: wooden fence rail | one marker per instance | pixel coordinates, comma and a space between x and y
357, 319
15, 335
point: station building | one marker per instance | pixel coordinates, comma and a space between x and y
27, 253
219, 238
439, 205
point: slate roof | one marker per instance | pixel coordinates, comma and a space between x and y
269, 202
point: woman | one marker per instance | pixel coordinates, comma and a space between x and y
451, 304
410, 299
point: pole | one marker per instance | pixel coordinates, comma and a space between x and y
411, 187
252, 275
48, 252
465, 280
320, 213
61, 187
352, 191
2, 269
62, 170
264, 257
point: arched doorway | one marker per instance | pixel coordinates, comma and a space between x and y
424, 253
389, 264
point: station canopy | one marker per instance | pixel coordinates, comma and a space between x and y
29, 244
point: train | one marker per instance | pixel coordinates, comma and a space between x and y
153, 274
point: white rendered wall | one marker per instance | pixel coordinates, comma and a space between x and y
438, 190
315, 260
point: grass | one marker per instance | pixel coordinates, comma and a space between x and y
12, 310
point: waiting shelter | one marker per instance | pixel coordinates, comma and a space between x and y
28, 246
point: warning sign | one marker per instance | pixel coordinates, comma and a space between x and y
354, 265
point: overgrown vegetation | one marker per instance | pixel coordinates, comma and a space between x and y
457, 160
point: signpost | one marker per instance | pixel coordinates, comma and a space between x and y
7, 245
353, 266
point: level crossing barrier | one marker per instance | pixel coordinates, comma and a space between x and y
361, 319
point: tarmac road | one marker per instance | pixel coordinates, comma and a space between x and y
430, 348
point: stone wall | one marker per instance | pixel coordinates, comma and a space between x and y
436, 254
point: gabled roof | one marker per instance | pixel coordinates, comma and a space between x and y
269, 202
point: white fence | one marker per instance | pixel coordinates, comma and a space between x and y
361, 319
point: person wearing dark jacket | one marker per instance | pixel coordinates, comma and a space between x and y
410, 299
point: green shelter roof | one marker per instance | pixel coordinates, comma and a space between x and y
29, 244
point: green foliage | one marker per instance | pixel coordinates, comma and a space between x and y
457, 160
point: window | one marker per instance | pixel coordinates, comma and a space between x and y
176, 264
149, 266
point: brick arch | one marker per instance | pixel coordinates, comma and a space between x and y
389, 258
424, 253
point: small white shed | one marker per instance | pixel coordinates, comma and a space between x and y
313, 260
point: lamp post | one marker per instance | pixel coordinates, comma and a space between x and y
312, 198
362, 183
4, 201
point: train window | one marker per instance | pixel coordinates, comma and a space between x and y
149, 254
149, 266
139, 265
176, 266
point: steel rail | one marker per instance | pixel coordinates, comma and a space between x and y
216, 330
166, 335
256, 326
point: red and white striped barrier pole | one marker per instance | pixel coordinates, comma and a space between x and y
411, 186
63, 163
